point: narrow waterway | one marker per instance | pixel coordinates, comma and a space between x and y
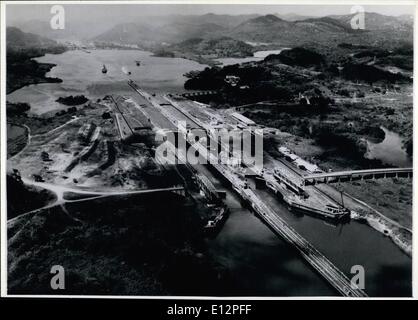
390, 151
388, 270
261, 263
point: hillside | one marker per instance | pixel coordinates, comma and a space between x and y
324, 30
17, 39
21, 68
180, 31
146, 34
223, 20
269, 30
212, 48
292, 16
127, 244
75, 30
375, 21
266, 28
131, 33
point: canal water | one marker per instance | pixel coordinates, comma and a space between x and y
390, 151
261, 263
246, 245
258, 56
388, 270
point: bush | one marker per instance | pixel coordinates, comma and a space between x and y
17, 108
106, 115
72, 100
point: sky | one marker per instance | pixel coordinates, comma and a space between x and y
25, 12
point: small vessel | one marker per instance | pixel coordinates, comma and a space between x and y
126, 71
138, 63
104, 70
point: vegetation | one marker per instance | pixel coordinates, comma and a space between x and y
22, 70
206, 50
72, 100
22, 198
298, 57
43, 123
370, 74
143, 244
70, 110
164, 53
16, 109
293, 93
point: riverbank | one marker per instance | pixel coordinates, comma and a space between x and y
385, 205
199, 59
22, 68
34, 73
400, 236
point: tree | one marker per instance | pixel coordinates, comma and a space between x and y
44, 156
106, 115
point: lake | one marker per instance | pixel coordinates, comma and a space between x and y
258, 56
81, 73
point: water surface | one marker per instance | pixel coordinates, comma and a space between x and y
390, 151
258, 56
81, 73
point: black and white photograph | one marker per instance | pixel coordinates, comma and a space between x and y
207, 149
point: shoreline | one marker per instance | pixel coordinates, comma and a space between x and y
400, 236
359, 207
40, 66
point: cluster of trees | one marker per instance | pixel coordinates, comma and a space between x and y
17, 109
298, 57
270, 80
214, 78
164, 53
72, 100
220, 47
146, 244
68, 111
370, 74
21, 198
21, 68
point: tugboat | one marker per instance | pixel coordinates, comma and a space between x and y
104, 70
